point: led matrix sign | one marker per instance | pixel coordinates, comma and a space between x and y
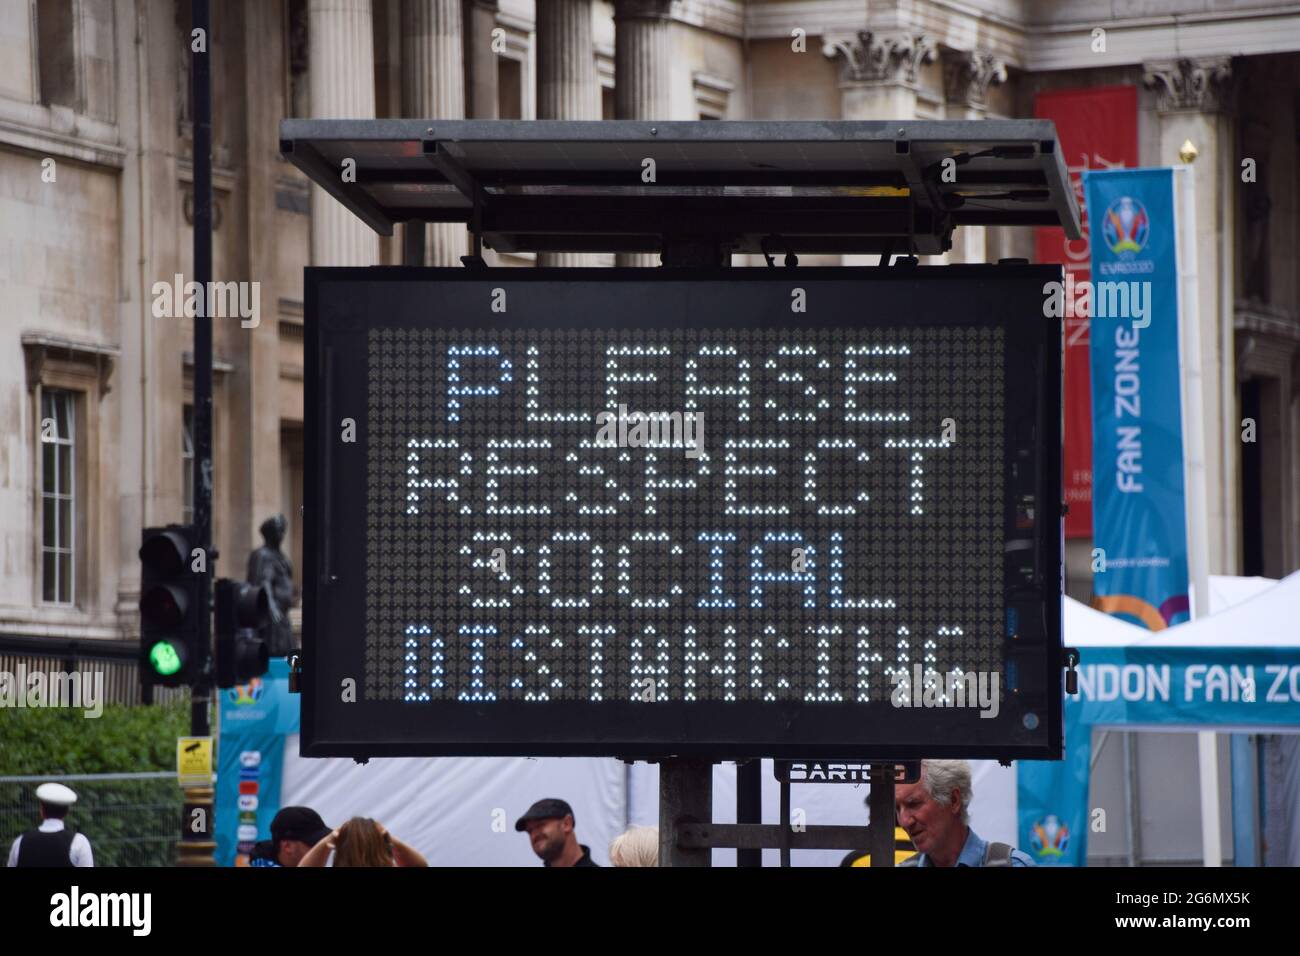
784, 512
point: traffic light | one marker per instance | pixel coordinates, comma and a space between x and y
243, 611
170, 654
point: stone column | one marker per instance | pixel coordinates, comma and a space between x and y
341, 67
1195, 103
642, 60
642, 81
967, 76
567, 86
878, 79
480, 59
433, 88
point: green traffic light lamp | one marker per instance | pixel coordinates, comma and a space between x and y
167, 658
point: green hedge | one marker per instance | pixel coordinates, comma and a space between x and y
128, 822
55, 740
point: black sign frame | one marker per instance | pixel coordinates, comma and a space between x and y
855, 772
334, 726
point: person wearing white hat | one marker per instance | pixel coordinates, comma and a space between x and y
51, 845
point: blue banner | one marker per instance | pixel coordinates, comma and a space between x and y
1213, 686
1139, 522
255, 718
1137, 686
1052, 798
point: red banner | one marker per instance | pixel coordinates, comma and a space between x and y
1098, 130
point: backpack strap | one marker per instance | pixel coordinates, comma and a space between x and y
997, 854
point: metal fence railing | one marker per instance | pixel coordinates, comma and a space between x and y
131, 819
121, 678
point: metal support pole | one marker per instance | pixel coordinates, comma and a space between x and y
1132, 813
199, 852
785, 822
685, 796
1207, 753
749, 805
413, 234
881, 825
1245, 823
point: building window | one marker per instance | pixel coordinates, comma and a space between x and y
67, 380
58, 496
510, 88
187, 465
56, 55
712, 95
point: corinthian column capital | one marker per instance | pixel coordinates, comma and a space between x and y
968, 74
881, 57
1203, 85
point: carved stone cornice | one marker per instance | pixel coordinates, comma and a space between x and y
1204, 85
892, 58
643, 10
91, 361
968, 74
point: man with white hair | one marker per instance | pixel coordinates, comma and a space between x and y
935, 813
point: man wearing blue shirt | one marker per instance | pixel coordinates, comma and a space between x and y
935, 813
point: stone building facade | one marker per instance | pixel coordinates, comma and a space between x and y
96, 207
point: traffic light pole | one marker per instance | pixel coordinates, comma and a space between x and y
199, 852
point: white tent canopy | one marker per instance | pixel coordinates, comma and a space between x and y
1268, 618
1244, 613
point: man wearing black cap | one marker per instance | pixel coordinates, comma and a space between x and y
550, 830
294, 831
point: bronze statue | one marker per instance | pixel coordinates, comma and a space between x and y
268, 565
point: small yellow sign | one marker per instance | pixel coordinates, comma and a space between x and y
194, 761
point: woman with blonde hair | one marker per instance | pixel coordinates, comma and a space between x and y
638, 846
362, 842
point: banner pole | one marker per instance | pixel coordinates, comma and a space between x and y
1194, 490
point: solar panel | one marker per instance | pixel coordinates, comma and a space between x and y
634, 186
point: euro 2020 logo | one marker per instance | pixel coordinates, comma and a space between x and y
242, 695
1125, 227
1049, 837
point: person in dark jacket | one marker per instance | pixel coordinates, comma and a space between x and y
52, 844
